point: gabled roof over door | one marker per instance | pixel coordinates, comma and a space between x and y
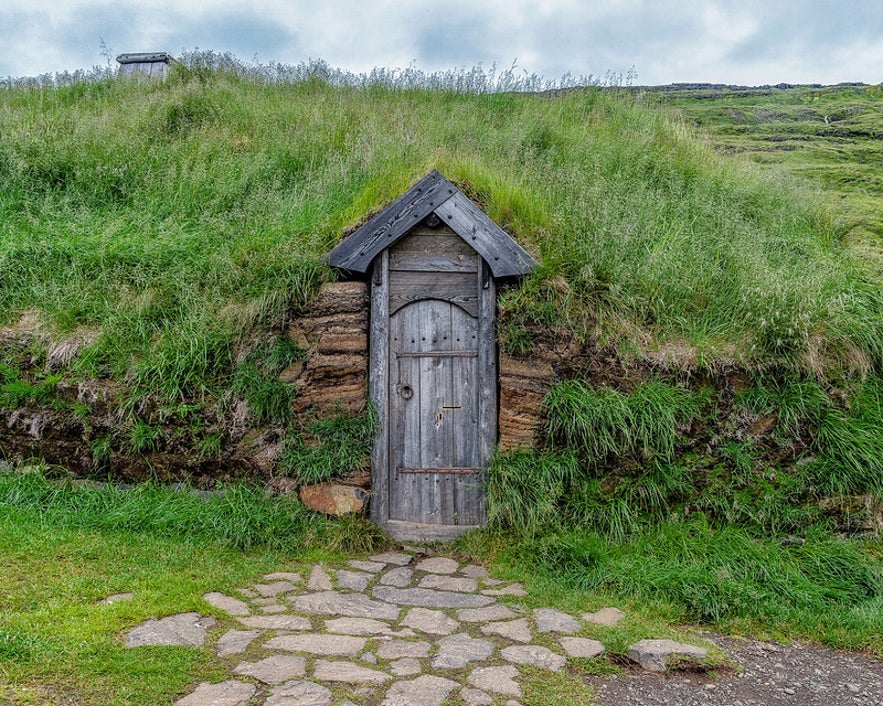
433, 194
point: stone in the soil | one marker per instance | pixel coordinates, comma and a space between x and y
605, 616
115, 598
357, 626
517, 630
333, 498
227, 693
427, 690
273, 609
247, 592
399, 577
270, 590
348, 673
481, 615
474, 571
396, 649
299, 693
264, 601
319, 580
456, 651
228, 604
370, 566
353, 580
431, 621
492, 582
392, 558
500, 680
368, 657
283, 576
184, 629
513, 589
476, 697
449, 583
351, 605
438, 565
277, 622
405, 667
235, 641
657, 655
275, 669
427, 598
551, 620
316, 643
581, 647
535, 655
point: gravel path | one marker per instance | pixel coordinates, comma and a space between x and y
768, 673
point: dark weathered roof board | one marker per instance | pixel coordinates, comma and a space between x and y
433, 193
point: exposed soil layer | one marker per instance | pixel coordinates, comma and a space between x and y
766, 673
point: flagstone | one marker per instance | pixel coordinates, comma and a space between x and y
247, 592
536, 655
581, 647
319, 580
405, 667
551, 620
273, 609
481, 615
474, 571
500, 680
299, 693
427, 598
277, 622
229, 693
456, 651
228, 604
428, 690
317, 643
353, 580
352, 605
438, 565
518, 630
605, 616
182, 629
493, 582
235, 641
476, 697
283, 576
275, 669
357, 626
116, 598
390, 558
399, 577
370, 566
348, 673
432, 621
395, 649
269, 590
513, 589
449, 583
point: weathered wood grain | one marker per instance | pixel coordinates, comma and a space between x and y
505, 257
356, 252
378, 386
456, 287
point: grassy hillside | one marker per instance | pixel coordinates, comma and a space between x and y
158, 223
718, 433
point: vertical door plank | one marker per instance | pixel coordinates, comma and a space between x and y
379, 388
487, 376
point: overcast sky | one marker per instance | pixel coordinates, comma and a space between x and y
722, 41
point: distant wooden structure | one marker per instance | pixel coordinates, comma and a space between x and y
434, 258
148, 65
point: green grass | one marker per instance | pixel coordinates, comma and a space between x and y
173, 219
330, 447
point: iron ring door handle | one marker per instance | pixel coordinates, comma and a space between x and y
406, 391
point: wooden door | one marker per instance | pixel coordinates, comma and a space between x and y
435, 468
433, 381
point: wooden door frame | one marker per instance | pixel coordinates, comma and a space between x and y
378, 386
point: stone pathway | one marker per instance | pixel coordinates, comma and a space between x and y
399, 629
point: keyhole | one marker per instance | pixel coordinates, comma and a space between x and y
406, 392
